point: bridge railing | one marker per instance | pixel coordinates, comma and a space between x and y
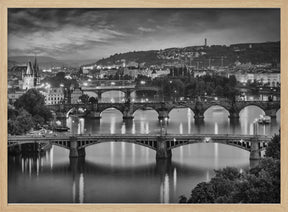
169, 136
109, 87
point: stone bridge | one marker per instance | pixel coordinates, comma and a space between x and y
161, 144
126, 89
163, 108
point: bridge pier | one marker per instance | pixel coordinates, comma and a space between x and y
199, 117
163, 167
128, 112
76, 165
162, 151
99, 95
127, 96
255, 153
127, 115
75, 152
234, 115
163, 114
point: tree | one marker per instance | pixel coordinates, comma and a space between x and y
258, 185
31, 99
38, 121
34, 103
60, 75
84, 98
202, 193
21, 124
219, 90
182, 199
228, 173
273, 148
12, 112
178, 86
93, 100
261, 185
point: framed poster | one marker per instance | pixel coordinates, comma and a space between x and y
143, 105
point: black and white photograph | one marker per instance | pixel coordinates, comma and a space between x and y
143, 105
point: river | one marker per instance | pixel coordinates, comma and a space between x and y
127, 173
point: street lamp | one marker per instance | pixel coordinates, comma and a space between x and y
161, 127
165, 124
175, 95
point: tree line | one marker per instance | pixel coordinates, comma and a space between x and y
257, 185
29, 111
192, 87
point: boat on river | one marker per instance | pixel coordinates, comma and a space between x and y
61, 128
264, 119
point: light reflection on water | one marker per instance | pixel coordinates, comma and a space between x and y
127, 173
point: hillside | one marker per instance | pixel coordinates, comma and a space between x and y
147, 57
268, 52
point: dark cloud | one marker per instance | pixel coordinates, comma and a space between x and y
87, 33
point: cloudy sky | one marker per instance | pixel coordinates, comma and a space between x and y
96, 33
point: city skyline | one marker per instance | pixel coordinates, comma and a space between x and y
97, 33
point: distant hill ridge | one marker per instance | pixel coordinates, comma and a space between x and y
243, 52
45, 62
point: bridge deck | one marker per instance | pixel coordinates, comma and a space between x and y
108, 87
138, 136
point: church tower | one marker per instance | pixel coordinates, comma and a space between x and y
31, 78
36, 73
28, 77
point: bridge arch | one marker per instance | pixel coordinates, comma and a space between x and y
219, 109
259, 108
91, 94
253, 105
119, 110
189, 112
241, 144
106, 94
151, 112
61, 144
148, 144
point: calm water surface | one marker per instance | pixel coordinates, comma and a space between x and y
127, 173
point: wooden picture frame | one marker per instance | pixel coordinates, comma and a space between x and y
282, 4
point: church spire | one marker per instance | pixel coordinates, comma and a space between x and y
29, 70
35, 66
